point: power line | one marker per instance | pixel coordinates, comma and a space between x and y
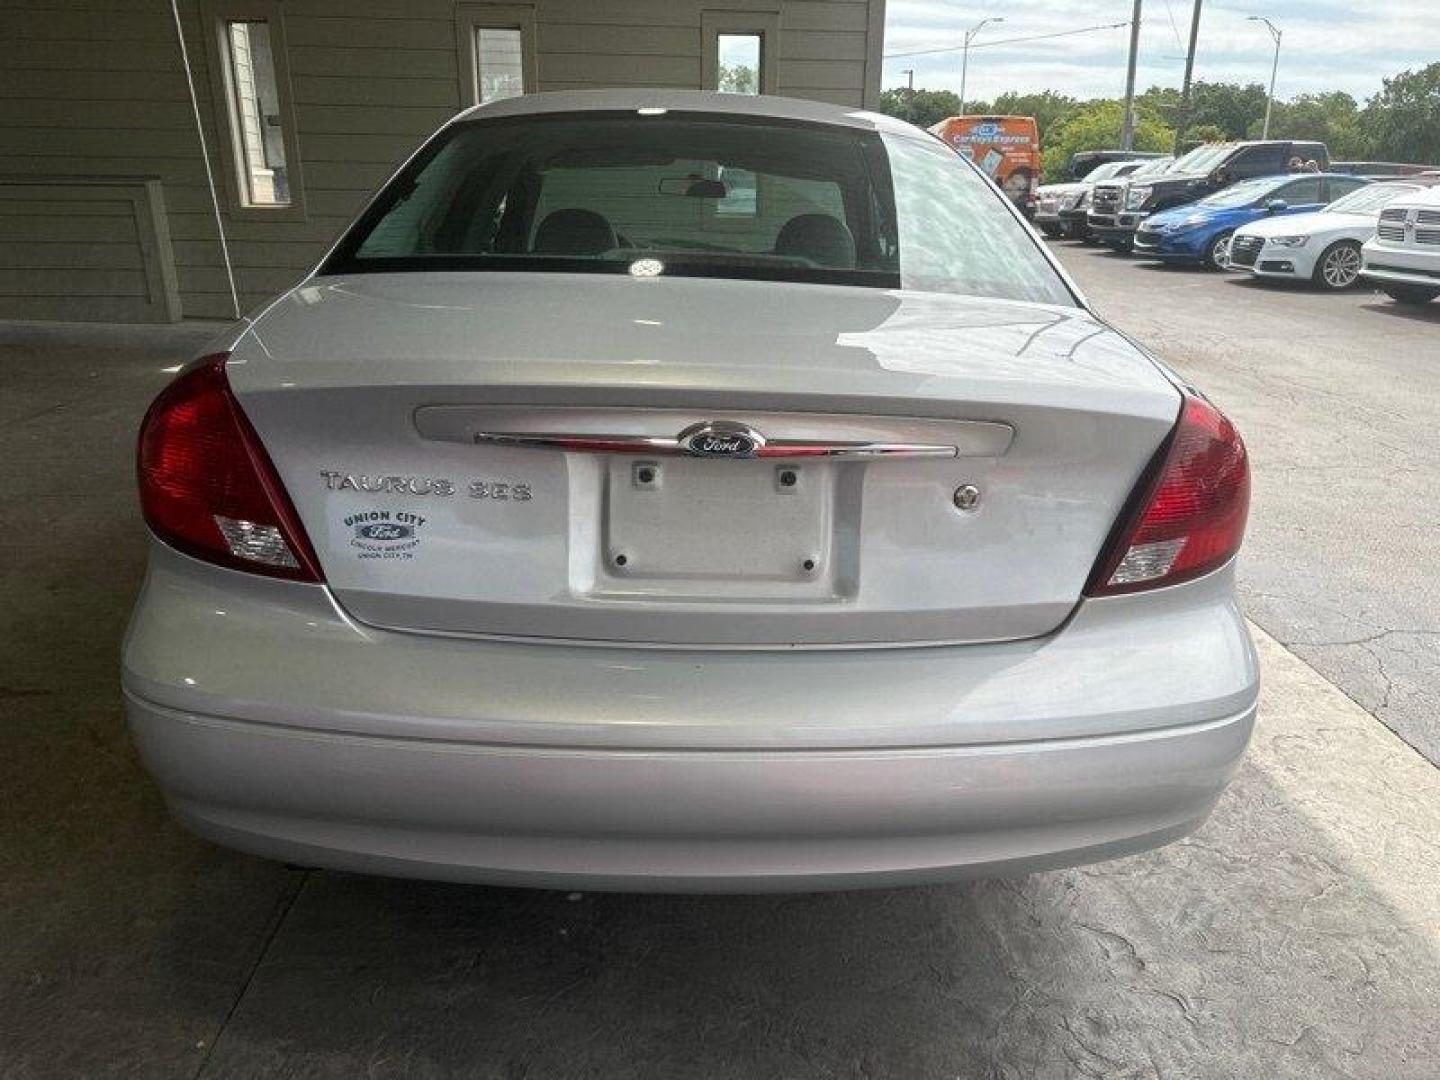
1173, 28
1006, 41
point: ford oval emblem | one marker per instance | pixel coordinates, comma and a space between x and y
385, 530
720, 438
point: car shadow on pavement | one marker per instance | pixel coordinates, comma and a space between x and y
1421, 313
1169, 266
1275, 285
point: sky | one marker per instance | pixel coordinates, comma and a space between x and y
1327, 44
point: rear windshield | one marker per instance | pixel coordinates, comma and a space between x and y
700, 196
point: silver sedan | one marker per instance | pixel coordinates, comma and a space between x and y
664, 491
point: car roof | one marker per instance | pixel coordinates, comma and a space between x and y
748, 105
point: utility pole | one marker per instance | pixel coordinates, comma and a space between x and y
909, 94
965, 59
1127, 125
1274, 69
1182, 119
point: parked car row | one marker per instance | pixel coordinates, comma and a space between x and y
1294, 221
1200, 232
1118, 207
1330, 247
1063, 209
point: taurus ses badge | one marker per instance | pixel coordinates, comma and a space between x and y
721, 438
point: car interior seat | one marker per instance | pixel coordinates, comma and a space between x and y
820, 238
573, 232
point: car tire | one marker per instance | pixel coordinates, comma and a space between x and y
1338, 267
1217, 253
1410, 294
1054, 232
1121, 247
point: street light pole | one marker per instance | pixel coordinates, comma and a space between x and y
965, 58
1274, 69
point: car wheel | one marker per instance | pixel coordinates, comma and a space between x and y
1411, 294
1052, 231
1338, 266
1121, 247
1217, 255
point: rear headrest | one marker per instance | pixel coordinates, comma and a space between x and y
820, 238
573, 232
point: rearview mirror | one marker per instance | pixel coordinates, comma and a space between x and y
1276, 205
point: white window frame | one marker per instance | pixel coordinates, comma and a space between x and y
216, 15
473, 15
764, 22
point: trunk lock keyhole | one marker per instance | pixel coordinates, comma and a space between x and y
967, 497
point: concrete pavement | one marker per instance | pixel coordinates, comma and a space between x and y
1294, 936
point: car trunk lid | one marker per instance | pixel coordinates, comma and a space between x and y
516, 454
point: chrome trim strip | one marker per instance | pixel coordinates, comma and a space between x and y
668, 447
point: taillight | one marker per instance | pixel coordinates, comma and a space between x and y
1186, 517
207, 486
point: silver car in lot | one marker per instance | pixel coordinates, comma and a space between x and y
578, 524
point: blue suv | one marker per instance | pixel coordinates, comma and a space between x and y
1200, 232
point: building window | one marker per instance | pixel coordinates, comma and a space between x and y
738, 70
739, 50
254, 109
257, 128
499, 63
496, 46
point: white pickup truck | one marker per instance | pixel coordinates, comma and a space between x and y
1403, 258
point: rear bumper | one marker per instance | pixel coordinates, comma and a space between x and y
678, 820
274, 725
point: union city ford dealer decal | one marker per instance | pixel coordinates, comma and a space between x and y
385, 534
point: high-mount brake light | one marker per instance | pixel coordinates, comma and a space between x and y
1187, 515
207, 486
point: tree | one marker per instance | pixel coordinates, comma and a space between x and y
739, 79
1096, 126
1332, 118
1404, 118
1201, 133
921, 107
1048, 108
1229, 106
